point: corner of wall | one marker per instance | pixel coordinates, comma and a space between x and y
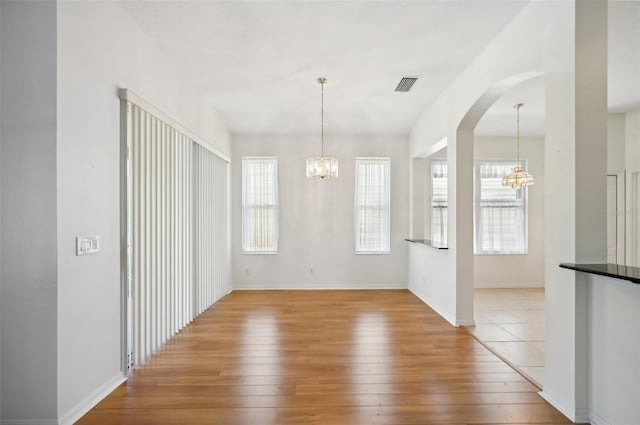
579, 416
80, 409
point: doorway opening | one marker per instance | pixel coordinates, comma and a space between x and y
508, 246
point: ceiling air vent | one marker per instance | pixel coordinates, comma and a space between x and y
406, 83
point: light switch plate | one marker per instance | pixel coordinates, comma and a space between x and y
87, 245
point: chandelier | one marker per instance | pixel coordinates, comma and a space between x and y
323, 167
519, 176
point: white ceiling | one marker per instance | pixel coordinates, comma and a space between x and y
258, 61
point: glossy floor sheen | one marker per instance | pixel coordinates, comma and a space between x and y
323, 357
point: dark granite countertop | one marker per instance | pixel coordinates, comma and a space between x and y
436, 245
618, 271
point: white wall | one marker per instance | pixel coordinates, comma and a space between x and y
615, 143
316, 216
100, 49
576, 211
28, 197
632, 166
515, 271
614, 389
429, 278
632, 140
0, 216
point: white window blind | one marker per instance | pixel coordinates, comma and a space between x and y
260, 205
211, 228
372, 205
177, 230
439, 201
160, 232
499, 212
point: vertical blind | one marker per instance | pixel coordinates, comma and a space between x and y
259, 205
372, 205
499, 212
177, 230
212, 280
439, 201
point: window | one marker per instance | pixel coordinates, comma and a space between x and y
260, 205
499, 212
372, 205
439, 202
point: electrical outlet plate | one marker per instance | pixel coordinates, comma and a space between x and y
87, 245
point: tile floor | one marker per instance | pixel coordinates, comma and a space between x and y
511, 323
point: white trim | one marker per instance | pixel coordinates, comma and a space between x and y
494, 254
129, 96
631, 231
320, 286
595, 419
29, 422
575, 415
91, 400
124, 192
386, 249
582, 416
435, 307
245, 162
507, 285
621, 216
434, 148
477, 208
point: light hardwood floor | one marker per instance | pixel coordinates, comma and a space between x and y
323, 357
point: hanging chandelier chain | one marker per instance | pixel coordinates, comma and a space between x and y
322, 81
518, 106
320, 166
519, 177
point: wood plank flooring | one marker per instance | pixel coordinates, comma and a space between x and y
323, 357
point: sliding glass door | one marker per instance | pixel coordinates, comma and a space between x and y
177, 237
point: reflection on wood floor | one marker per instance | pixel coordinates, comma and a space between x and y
323, 357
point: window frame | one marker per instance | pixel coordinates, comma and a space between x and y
477, 192
444, 231
276, 206
386, 250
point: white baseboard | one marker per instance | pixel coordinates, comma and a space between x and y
91, 400
579, 416
596, 419
315, 287
507, 285
435, 307
582, 416
29, 422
